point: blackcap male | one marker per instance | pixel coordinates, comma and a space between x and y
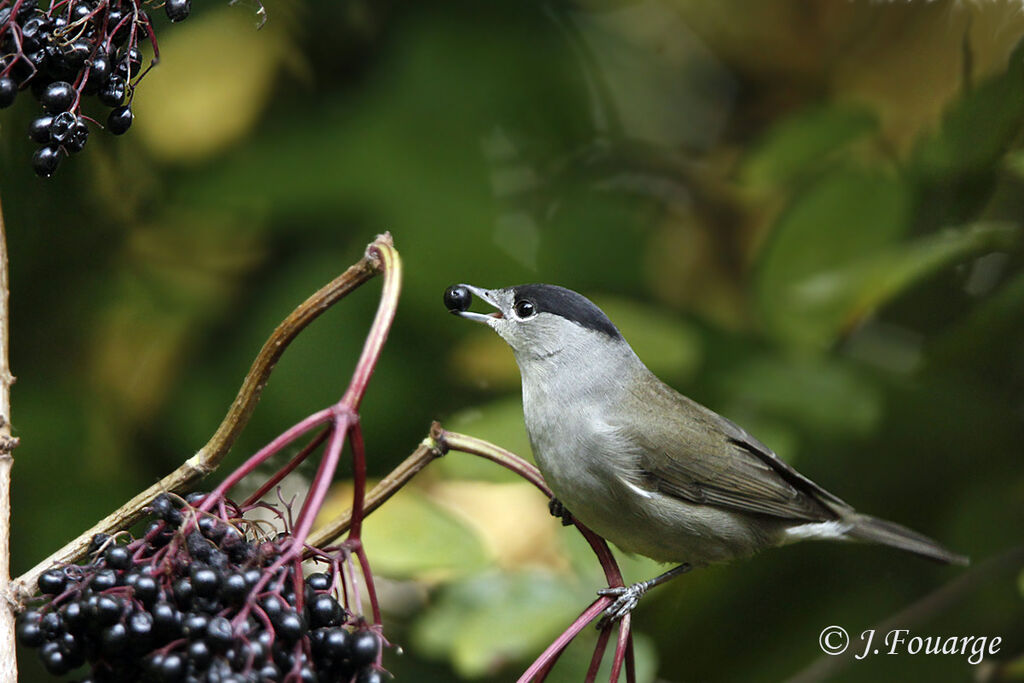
642, 465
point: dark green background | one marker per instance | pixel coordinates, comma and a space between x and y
808, 213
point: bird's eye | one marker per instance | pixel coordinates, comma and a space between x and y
525, 309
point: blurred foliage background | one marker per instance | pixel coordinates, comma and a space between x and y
805, 215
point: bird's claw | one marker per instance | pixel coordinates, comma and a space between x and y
558, 510
626, 599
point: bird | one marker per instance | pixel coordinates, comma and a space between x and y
642, 465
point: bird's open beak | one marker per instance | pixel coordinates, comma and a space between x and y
485, 318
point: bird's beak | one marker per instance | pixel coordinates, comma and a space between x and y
485, 318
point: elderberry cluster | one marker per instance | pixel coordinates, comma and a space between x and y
196, 606
70, 51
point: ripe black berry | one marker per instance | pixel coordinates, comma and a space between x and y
39, 129
113, 639
199, 654
318, 581
205, 581
52, 581
457, 298
30, 632
62, 127
8, 91
112, 94
146, 590
178, 10
45, 160
369, 675
365, 647
288, 626
103, 580
218, 633
58, 96
117, 556
324, 610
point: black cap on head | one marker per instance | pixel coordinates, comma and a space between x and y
568, 304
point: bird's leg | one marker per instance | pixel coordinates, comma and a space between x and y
626, 597
558, 510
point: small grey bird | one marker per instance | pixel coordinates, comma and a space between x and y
644, 466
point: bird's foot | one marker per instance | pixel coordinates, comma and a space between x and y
626, 599
558, 510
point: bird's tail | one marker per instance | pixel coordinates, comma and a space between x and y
874, 530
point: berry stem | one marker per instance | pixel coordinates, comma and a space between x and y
595, 660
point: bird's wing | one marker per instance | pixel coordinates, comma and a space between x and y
700, 457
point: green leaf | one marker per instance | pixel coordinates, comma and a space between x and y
799, 143
976, 129
488, 621
837, 299
412, 536
848, 214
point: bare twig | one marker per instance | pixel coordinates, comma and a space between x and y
210, 455
8, 664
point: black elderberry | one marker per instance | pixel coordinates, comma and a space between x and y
99, 71
194, 625
178, 10
52, 581
104, 579
39, 131
212, 528
324, 610
268, 672
183, 592
273, 606
200, 548
369, 675
457, 298
80, 12
51, 623
205, 581
333, 644
129, 63
8, 91
62, 126
365, 647
199, 654
140, 630
113, 639
75, 616
166, 621
58, 96
105, 610
234, 589
76, 52
288, 626
29, 629
172, 668
218, 633
146, 590
54, 659
318, 581
163, 506
195, 499
117, 556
